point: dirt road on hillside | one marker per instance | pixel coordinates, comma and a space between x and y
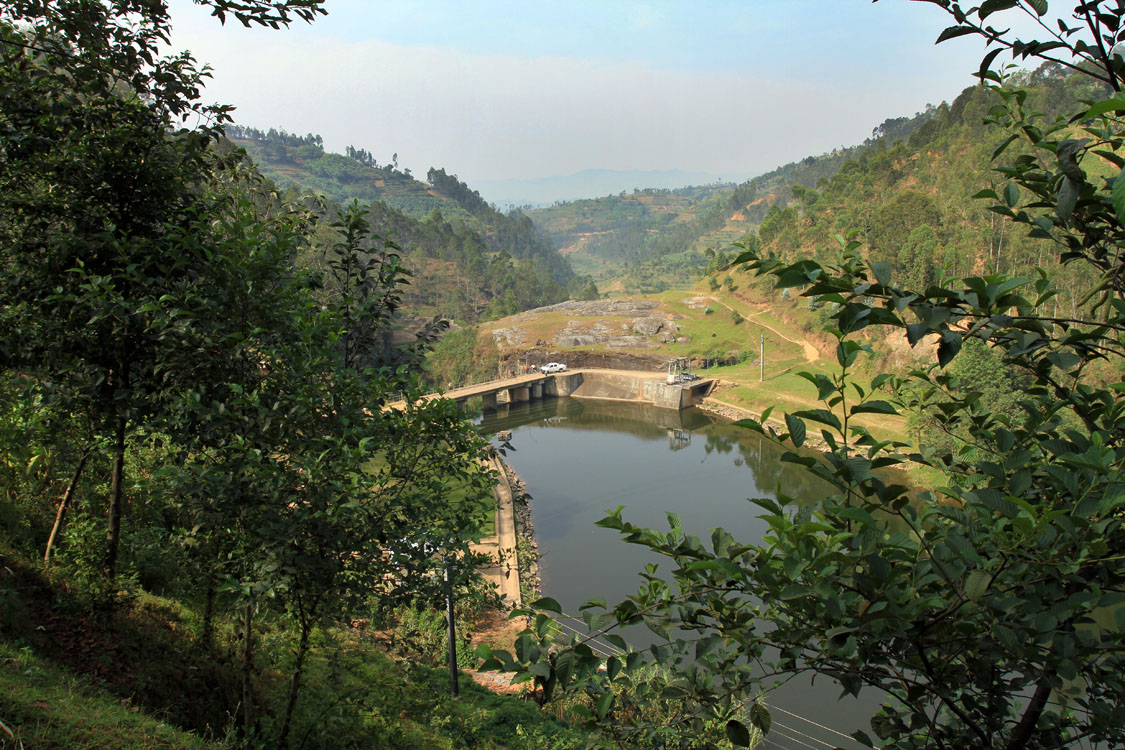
812, 354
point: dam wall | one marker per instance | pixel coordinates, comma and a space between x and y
625, 386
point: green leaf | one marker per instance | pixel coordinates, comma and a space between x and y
1010, 139
1011, 195
976, 584
882, 271
549, 604
706, 645
605, 703
796, 430
1118, 196
1105, 105
823, 416
1039, 6
874, 407
525, 649
948, 348
564, 667
988, 7
794, 591
858, 515
1067, 198
760, 716
738, 734
953, 32
861, 737
751, 424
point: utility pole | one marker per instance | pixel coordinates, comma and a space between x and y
453, 686
762, 358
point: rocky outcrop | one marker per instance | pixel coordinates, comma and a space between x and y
649, 326
577, 359
631, 308
509, 337
624, 324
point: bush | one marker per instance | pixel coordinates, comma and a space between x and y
421, 633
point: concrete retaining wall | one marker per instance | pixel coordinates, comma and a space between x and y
670, 396
611, 386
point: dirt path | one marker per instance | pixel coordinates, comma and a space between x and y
812, 354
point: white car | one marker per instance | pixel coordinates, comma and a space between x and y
551, 367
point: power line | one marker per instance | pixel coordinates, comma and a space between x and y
799, 742
797, 731
810, 721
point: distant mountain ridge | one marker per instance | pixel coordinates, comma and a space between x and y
648, 240
592, 183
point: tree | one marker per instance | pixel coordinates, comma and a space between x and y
989, 612
149, 287
95, 189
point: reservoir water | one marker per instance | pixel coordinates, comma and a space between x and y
580, 458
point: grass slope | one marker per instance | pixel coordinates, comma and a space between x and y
75, 673
45, 707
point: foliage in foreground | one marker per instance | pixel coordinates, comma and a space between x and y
166, 362
357, 697
986, 613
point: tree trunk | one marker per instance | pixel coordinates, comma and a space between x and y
116, 491
295, 684
247, 673
64, 503
209, 610
1023, 731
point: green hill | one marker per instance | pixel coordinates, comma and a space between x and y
468, 259
904, 189
909, 199
652, 240
300, 161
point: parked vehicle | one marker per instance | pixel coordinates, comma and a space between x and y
551, 367
687, 377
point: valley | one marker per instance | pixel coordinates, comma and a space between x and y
302, 447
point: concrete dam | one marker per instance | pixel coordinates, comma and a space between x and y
611, 385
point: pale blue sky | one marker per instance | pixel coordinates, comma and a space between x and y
494, 90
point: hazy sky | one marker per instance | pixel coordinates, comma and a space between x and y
536, 88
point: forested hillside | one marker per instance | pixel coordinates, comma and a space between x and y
906, 198
903, 189
652, 239
468, 260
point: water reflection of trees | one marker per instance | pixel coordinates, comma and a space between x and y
643, 420
763, 458
754, 452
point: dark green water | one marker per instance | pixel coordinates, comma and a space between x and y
580, 458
